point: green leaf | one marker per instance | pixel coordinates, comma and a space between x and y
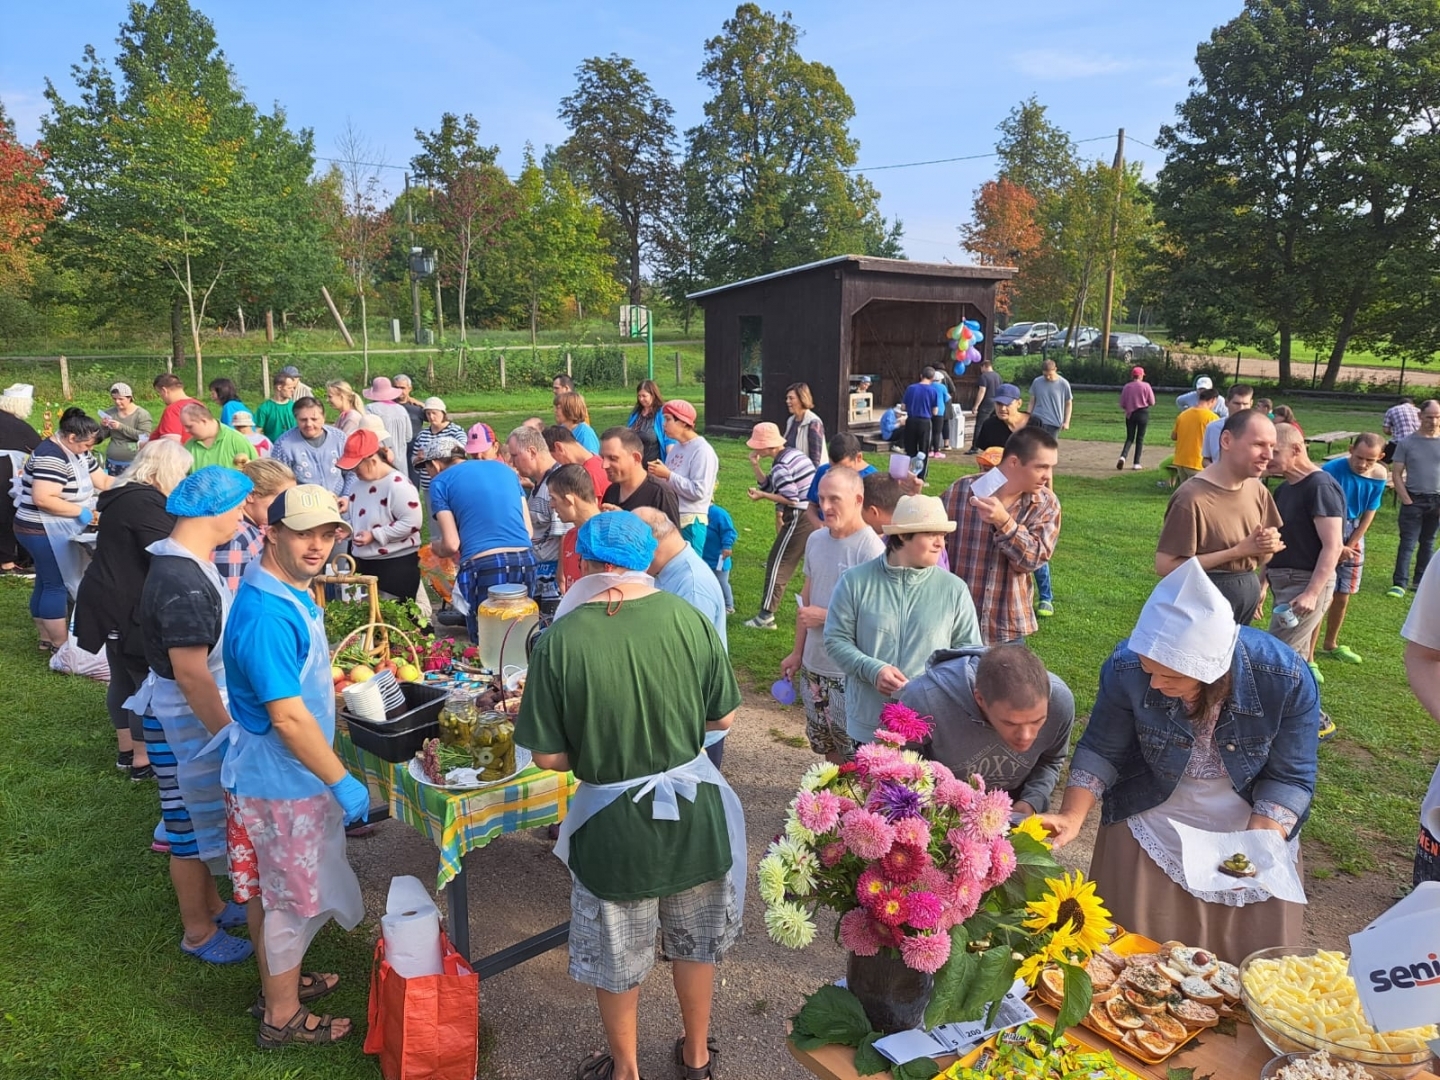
951, 981
1226, 1026
1078, 992
868, 1060
919, 1069
993, 976
1174, 1073
830, 1015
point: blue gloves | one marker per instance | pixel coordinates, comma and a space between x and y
86, 515
353, 797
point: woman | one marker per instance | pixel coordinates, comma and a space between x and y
1283, 414
345, 401
132, 517
57, 502
438, 425
648, 421
384, 515
128, 425
1136, 399
17, 440
228, 398
1209, 724
804, 431
244, 423
571, 413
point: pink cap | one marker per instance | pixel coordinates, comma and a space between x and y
482, 438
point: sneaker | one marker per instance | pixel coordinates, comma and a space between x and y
1120, 464
140, 773
1343, 653
1315, 670
937, 456
1045, 609
761, 622
1395, 590
1137, 466
729, 611
160, 847
124, 759
1327, 727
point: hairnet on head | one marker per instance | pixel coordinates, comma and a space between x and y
210, 491
616, 537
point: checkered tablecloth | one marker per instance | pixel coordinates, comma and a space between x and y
458, 822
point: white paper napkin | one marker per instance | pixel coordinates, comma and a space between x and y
1203, 852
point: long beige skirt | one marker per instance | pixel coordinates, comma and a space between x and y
1142, 898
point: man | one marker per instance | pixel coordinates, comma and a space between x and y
1302, 573
289, 797
623, 455
1401, 421
845, 451
621, 690
882, 495
786, 486
887, 616
999, 714
182, 617
1241, 397
1363, 479
530, 457
1003, 538
295, 387
572, 494
480, 442
691, 467
562, 384
566, 449
172, 393
986, 391
415, 410
276, 414
922, 405
943, 393
1417, 486
1005, 419
1188, 434
1051, 400
1225, 516
211, 442
268, 478
1422, 667
1188, 400
312, 447
383, 397
843, 542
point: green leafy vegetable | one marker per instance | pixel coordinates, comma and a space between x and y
868, 1060
830, 1015
919, 1069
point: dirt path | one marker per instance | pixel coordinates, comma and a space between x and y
1415, 375
538, 1022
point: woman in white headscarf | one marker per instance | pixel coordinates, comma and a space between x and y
1204, 723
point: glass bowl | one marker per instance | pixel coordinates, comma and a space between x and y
1274, 1065
1283, 1037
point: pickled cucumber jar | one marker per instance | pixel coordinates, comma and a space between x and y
459, 716
503, 622
492, 746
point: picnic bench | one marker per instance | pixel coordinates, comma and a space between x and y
1329, 438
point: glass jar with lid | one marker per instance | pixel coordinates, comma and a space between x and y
492, 746
503, 623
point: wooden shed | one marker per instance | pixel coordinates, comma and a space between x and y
826, 324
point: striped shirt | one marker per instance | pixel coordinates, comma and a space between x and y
232, 558
50, 462
426, 438
998, 566
790, 477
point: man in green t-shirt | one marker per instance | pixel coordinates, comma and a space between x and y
621, 690
211, 442
276, 414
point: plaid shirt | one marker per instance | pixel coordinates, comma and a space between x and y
1402, 420
998, 566
232, 558
790, 477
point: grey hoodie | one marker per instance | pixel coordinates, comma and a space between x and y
966, 743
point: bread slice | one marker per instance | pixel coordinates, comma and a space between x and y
1111, 957
1197, 989
1154, 1044
1149, 980
1102, 975
1054, 981
1168, 1026
1194, 1015
1227, 984
1123, 1014
1099, 1019
1145, 1004
1175, 975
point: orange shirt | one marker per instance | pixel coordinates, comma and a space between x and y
1189, 436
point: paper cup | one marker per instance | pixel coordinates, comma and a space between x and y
783, 691
899, 466
365, 701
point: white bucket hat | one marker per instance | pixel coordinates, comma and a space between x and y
919, 514
1187, 625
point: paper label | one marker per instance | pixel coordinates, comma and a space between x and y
1396, 968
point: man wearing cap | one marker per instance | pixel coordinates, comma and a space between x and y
480, 442
212, 443
629, 485
1005, 418
566, 449
276, 414
986, 390
1225, 516
622, 690
1189, 399
288, 796
127, 423
1208, 724
172, 393
1239, 398
1188, 433
530, 457
383, 396
384, 516
1051, 400
888, 615
415, 410
182, 615
1004, 537
787, 485
312, 449
691, 467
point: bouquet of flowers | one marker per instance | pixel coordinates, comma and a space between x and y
922, 862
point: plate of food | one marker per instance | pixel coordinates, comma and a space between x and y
1025, 1051
449, 768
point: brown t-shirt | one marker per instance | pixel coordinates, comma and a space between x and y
1203, 518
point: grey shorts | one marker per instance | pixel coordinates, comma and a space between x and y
824, 698
612, 942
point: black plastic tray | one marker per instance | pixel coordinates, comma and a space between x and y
402, 736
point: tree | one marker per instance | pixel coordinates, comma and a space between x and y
1033, 152
26, 206
360, 227
621, 151
773, 156
1003, 231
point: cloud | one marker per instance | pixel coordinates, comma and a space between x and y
25, 108
1063, 64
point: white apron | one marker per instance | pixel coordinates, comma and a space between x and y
198, 756
72, 557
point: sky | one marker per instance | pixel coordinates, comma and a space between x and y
930, 79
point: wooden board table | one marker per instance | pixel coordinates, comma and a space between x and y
1329, 438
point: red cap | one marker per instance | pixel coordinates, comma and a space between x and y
358, 447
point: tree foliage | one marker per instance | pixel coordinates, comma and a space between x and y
1003, 231
1034, 153
27, 206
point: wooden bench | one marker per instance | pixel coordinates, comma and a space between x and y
1329, 438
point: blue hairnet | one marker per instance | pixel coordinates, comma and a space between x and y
617, 537
210, 491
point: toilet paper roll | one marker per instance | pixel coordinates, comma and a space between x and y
412, 942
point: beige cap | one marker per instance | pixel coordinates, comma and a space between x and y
305, 507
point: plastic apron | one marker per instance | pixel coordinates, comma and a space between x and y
198, 755
71, 557
301, 888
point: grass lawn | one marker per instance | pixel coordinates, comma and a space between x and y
93, 982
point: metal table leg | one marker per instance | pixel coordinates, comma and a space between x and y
457, 900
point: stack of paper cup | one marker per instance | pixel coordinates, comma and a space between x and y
365, 701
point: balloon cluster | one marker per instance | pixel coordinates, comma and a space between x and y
963, 339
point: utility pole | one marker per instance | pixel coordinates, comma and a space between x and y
414, 281
1114, 239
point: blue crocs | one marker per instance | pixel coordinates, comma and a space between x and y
233, 917
222, 948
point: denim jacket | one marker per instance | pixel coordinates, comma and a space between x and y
1138, 740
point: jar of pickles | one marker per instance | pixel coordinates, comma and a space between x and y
492, 746
459, 715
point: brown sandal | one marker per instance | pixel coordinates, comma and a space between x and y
704, 1072
271, 1037
314, 985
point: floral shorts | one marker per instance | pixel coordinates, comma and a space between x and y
824, 698
274, 847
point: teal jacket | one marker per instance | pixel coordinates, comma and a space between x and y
881, 614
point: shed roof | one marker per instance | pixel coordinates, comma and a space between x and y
866, 262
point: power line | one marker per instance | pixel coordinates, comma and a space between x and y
967, 157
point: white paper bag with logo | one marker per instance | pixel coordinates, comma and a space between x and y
1396, 968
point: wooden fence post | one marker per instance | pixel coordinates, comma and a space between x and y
569, 371
270, 325
502, 371
241, 311
264, 377
624, 367
65, 378
677, 368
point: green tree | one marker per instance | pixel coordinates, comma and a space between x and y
1034, 153
621, 150
773, 156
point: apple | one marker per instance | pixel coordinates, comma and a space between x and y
360, 673
336, 673
408, 673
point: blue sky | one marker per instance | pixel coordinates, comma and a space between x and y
930, 79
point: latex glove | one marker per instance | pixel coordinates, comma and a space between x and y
353, 797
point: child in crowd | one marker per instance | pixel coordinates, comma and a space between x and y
572, 497
720, 537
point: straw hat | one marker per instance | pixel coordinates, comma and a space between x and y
919, 514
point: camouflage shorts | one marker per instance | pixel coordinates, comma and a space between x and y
824, 698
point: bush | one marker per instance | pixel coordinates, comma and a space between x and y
1170, 369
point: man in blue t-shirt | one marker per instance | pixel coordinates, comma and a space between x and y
1362, 478
922, 405
843, 449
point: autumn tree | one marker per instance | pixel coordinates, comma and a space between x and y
1003, 231
26, 205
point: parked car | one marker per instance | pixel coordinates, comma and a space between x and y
1060, 340
1127, 347
1024, 337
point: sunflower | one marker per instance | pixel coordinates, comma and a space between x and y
1032, 828
1071, 903
1031, 966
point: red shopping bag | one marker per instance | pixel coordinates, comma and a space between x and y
425, 1028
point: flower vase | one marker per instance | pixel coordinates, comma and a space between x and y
894, 996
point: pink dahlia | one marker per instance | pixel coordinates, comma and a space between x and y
954, 793
971, 857
890, 738
818, 811
933, 879
873, 757
905, 722
913, 830
832, 853
871, 886
923, 910
856, 934
989, 815
867, 835
889, 907
925, 952
964, 899
940, 772
1002, 862
903, 862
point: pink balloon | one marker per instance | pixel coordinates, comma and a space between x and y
972, 355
